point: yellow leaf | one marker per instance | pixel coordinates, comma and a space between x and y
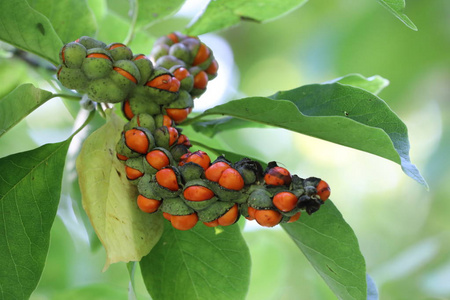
109, 199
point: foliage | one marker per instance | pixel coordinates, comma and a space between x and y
201, 263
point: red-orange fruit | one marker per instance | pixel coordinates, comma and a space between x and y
173, 135
197, 193
185, 222
137, 140
162, 82
201, 80
268, 217
229, 217
98, 55
174, 85
214, 223
251, 213
294, 217
213, 67
125, 74
132, 173
116, 45
214, 172
148, 205
323, 190
178, 114
202, 54
277, 176
157, 159
231, 179
173, 37
167, 179
181, 73
126, 109
140, 56
167, 216
199, 157
184, 140
285, 201
121, 157
167, 121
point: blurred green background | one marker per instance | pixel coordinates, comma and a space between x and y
402, 228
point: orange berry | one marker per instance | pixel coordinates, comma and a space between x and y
162, 82
213, 67
116, 45
184, 140
285, 201
267, 217
181, 73
121, 157
214, 223
167, 121
199, 157
157, 159
202, 54
137, 140
323, 190
173, 135
231, 179
167, 179
229, 217
184, 222
133, 173
178, 114
251, 213
126, 109
277, 176
148, 205
140, 56
173, 37
201, 80
125, 74
174, 85
98, 55
167, 216
294, 217
197, 193
214, 172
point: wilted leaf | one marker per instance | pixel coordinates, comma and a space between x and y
19, 103
110, 200
200, 263
330, 245
30, 187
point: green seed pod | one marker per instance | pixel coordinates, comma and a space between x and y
243, 209
146, 189
250, 170
141, 120
181, 52
163, 192
90, 43
184, 100
72, 55
178, 151
192, 44
158, 51
228, 195
140, 103
176, 207
182, 74
106, 90
168, 61
122, 149
125, 74
145, 67
97, 64
197, 194
119, 51
159, 87
191, 171
214, 211
164, 137
73, 79
260, 199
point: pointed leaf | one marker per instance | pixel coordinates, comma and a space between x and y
20, 103
25, 28
222, 14
397, 8
30, 187
200, 263
337, 113
330, 245
374, 84
61, 15
109, 199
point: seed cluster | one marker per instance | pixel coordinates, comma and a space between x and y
156, 96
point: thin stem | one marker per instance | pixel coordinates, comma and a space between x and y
134, 8
88, 119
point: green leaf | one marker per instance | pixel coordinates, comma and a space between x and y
397, 8
222, 14
200, 263
20, 103
109, 199
25, 28
30, 187
156, 10
61, 15
334, 112
374, 84
98, 291
331, 246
